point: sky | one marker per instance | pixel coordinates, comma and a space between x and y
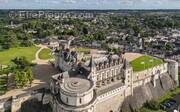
89, 4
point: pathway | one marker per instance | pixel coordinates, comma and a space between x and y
132, 56
42, 74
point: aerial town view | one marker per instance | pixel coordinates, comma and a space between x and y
89, 56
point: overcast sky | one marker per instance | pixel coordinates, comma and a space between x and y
89, 4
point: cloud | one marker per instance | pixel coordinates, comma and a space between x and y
54, 1
89, 4
69, 1
126, 2
3, 1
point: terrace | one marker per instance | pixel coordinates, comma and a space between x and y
144, 62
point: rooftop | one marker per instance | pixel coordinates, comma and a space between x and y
145, 62
76, 85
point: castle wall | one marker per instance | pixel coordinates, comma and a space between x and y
147, 92
57, 107
173, 70
106, 73
149, 75
14, 103
110, 102
161, 76
77, 100
59, 62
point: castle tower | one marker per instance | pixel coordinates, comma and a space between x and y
92, 65
92, 68
173, 70
76, 95
128, 76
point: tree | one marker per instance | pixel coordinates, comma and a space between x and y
106, 47
100, 36
23, 71
117, 50
85, 30
154, 105
29, 75
168, 46
18, 78
9, 40
21, 62
23, 77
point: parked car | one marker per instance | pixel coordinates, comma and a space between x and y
167, 105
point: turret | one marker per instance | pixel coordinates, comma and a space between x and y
92, 65
128, 77
173, 70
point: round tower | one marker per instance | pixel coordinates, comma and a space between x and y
76, 95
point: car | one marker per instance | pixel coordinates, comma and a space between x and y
171, 103
167, 105
172, 100
163, 107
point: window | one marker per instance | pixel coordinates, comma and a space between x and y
80, 101
112, 73
98, 77
67, 100
137, 77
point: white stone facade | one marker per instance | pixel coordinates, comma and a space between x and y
112, 83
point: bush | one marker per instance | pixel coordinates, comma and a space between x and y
23, 77
179, 78
21, 62
153, 105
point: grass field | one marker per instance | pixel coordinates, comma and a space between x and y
7, 55
145, 62
148, 110
45, 54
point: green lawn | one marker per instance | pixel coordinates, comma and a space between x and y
7, 55
45, 54
149, 110
145, 62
